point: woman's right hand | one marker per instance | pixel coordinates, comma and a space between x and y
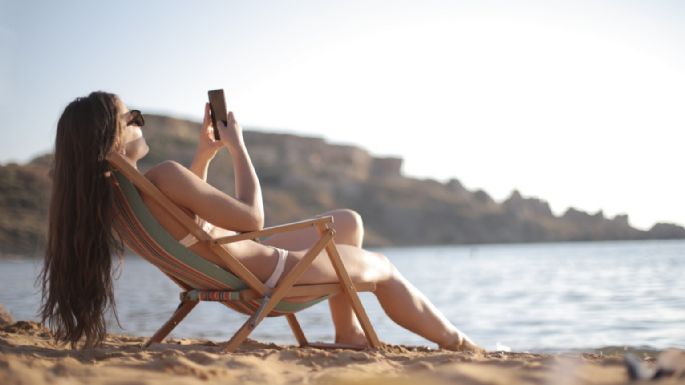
231, 134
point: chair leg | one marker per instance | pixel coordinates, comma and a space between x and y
297, 330
181, 312
350, 291
234, 343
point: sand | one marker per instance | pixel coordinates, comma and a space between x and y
28, 356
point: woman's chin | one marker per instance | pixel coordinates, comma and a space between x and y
137, 149
143, 153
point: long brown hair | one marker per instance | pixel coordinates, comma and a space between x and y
76, 279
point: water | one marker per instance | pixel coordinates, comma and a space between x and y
530, 297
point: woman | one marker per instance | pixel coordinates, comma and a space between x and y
76, 277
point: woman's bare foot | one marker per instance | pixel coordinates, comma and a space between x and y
462, 344
358, 339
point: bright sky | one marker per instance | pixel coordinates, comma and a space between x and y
579, 103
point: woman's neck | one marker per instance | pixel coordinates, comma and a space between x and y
132, 162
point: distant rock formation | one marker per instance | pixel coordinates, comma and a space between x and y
304, 176
5, 316
665, 231
24, 197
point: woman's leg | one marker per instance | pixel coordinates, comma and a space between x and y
403, 302
349, 230
400, 300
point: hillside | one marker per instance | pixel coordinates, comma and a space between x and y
303, 176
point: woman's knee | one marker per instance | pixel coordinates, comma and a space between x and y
377, 268
348, 226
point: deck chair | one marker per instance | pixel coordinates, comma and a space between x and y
237, 287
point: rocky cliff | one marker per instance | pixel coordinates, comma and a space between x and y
304, 176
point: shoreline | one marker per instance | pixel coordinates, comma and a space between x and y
9, 257
28, 356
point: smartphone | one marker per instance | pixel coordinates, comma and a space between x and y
217, 109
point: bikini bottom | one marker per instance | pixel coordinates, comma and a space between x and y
271, 282
280, 267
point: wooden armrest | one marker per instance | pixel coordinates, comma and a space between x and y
273, 230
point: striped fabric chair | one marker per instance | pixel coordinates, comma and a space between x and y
239, 289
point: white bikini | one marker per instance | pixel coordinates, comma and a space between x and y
271, 282
278, 271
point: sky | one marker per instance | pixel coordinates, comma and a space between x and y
579, 103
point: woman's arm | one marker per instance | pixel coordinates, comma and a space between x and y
247, 188
187, 190
207, 147
200, 166
188, 187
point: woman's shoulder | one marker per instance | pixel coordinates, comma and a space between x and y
166, 171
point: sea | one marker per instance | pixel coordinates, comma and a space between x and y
543, 297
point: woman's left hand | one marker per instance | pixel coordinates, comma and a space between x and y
206, 145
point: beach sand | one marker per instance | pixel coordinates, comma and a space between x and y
28, 356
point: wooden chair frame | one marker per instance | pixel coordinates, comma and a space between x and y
256, 289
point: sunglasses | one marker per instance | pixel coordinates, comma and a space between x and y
135, 118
